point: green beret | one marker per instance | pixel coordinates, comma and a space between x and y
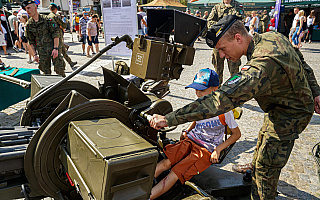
218, 29
53, 4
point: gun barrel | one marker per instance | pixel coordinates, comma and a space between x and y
20, 82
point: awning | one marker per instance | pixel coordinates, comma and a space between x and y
246, 3
164, 3
299, 2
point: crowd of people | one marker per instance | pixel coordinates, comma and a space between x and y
14, 33
298, 27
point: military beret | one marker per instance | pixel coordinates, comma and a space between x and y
218, 29
54, 5
25, 3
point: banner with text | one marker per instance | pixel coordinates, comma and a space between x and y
119, 18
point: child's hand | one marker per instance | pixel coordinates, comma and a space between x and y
215, 156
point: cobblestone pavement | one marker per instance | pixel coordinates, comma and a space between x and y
298, 179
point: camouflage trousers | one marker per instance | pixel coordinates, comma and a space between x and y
45, 63
268, 160
64, 53
218, 64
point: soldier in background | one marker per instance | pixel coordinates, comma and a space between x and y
54, 9
280, 81
264, 21
43, 35
226, 7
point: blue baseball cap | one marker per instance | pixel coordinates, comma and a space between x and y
204, 79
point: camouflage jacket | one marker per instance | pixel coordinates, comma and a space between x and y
274, 75
221, 10
59, 22
42, 33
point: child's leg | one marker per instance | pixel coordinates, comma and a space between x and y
162, 166
164, 185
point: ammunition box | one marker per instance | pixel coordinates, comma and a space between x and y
40, 81
109, 161
151, 59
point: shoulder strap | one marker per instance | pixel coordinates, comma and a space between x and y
222, 119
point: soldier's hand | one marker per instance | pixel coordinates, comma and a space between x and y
317, 104
158, 121
36, 58
54, 53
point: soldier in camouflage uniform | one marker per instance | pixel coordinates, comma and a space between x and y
43, 35
280, 81
226, 7
54, 8
264, 21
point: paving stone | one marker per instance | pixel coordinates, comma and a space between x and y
300, 168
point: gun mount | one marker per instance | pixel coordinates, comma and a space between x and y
83, 142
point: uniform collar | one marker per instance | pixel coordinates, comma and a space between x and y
255, 40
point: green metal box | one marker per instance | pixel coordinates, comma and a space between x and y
11, 93
109, 161
39, 81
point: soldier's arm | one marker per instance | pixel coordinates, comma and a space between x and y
240, 88
310, 75
213, 17
60, 22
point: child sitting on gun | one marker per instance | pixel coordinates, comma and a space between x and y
200, 144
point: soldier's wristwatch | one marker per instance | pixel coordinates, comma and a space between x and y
56, 48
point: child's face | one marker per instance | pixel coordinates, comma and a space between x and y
201, 93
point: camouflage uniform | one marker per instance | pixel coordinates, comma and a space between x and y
42, 34
218, 12
264, 22
62, 25
283, 85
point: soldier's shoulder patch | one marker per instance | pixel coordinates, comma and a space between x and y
234, 80
246, 67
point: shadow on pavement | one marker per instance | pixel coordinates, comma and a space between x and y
90, 74
310, 50
233, 155
315, 120
289, 191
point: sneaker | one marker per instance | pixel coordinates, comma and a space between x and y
21, 50
93, 53
30, 61
83, 53
73, 64
16, 49
89, 56
242, 168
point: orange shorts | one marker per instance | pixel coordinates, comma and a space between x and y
187, 158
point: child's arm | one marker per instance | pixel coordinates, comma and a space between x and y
190, 127
236, 134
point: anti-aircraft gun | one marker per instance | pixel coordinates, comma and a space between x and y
95, 143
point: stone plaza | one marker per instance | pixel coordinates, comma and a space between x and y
298, 180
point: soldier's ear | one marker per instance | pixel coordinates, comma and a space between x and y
238, 38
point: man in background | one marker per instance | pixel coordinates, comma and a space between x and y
13, 22
43, 35
54, 9
83, 29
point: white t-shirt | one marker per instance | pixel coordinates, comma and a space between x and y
248, 19
256, 24
295, 20
209, 132
309, 21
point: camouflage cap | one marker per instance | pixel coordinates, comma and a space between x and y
25, 3
218, 29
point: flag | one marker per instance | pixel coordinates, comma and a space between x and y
37, 2
277, 13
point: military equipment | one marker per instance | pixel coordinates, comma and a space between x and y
316, 156
96, 143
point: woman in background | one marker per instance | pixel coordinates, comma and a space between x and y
310, 22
